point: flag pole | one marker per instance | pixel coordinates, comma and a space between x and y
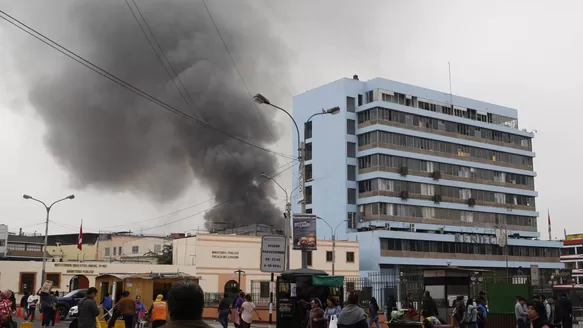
549, 223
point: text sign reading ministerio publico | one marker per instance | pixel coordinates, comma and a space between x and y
273, 254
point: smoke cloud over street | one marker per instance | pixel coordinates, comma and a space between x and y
111, 139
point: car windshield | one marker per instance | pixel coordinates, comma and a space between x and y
71, 294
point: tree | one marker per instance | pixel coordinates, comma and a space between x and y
165, 257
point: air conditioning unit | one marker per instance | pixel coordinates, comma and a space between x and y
404, 194
437, 198
472, 202
412, 227
387, 226
404, 170
436, 175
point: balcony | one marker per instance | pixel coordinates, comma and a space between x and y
472, 257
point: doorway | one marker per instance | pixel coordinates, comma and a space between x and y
78, 282
27, 282
232, 289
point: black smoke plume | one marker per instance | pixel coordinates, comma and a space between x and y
110, 139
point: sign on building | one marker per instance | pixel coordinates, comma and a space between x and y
273, 254
304, 232
534, 275
475, 239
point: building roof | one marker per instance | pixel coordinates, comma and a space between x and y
151, 275
19, 239
27, 254
72, 238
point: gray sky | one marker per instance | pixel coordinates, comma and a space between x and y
523, 54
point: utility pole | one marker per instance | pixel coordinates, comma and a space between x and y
287, 220
333, 240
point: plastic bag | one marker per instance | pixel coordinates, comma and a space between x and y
333, 322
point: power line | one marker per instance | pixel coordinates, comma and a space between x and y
46, 40
238, 72
174, 76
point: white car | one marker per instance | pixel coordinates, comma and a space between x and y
73, 312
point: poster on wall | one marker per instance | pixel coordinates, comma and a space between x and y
304, 231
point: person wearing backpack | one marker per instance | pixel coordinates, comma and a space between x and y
88, 310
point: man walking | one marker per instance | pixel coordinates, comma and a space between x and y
88, 310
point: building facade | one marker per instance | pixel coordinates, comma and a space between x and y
572, 256
422, 178
130, 248
3, 239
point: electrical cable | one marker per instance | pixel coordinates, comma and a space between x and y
172, 75
237, 70
46, 40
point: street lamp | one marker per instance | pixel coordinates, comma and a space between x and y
262, 100
287, 227
333, 240
48, 209
239, 272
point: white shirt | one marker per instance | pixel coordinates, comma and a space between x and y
247, 309
30, 300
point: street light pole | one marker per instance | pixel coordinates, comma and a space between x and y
239, 272
333, 240
260, 99
46, 241
287, 228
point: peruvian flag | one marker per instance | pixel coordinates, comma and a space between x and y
80, 239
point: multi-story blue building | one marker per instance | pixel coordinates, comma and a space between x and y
422, 178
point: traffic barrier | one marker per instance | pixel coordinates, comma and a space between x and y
101, 323
19, 312
120, 324
58, 316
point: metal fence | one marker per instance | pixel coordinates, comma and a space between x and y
213, 299
384, 285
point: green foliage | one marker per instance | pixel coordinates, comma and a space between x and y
165, 257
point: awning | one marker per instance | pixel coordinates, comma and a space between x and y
335, 281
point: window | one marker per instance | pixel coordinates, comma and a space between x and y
107, 249
309, 211
118, 250
135, 249
55, 278
350, 127
264, 289
351, 149
351, 196
27, 282
350, 104
114, 251
350, 257
351, 173
2, 243
308, 130
359, 100
328, 256
309, 258
351, 224
157, 248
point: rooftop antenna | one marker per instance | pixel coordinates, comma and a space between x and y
450, 92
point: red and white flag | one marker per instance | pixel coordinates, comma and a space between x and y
80, 239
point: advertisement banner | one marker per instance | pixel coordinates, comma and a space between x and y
304, 231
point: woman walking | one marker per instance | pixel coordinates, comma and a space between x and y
373, 313
332, 309
247, 310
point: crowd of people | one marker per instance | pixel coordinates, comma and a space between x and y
544, 313
45, 302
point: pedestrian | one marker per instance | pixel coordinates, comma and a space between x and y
223, 310
185, 306
520, 313
158, 312
46, 307
316, 317
537, 315
352, 315
332, 309
88, 310
248, 308
126, 307
24, 304
5, 309
106, 304
235, 314
429, 305
54, 313
459, 311
471, 315
373, 313
32, 303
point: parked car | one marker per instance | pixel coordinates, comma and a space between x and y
73, 312
70, 300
